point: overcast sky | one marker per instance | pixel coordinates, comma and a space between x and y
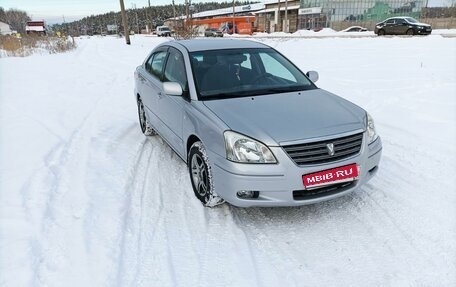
54, 11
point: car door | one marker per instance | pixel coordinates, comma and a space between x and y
401, 27
171, 108
151, 82
389, 26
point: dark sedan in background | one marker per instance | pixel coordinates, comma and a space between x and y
402, 26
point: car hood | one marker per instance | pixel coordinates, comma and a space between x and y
285, 118
422, 24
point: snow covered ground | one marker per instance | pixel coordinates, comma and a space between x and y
87, 200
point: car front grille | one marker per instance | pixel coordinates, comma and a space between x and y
318, 152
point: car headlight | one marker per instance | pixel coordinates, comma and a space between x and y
240, 148
371, 133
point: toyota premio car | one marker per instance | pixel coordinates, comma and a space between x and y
402, 26
252, 128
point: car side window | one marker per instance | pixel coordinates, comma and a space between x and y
175, 68
391, 21
155, 64
400, 21
247, 64
275, 68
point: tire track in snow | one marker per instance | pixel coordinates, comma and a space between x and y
64, 207
171, 239
273, 256
64, 169
150, 236
134, 188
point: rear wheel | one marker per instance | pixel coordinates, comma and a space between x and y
201, 176
146, 128
410, 32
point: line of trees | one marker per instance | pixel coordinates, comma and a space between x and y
137, 18
15, 18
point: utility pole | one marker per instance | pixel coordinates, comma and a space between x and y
286, 17
234, 28
150, 18
278, 17
186, 13
125, 22
133, 6
174, 16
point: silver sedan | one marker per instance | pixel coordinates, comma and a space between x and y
253, 129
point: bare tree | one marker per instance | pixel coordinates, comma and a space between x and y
15, 18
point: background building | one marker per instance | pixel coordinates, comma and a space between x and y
243, 18
5, 29
336, 14
268, 20
339, 14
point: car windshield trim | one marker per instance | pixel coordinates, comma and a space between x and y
259, 71
256, 93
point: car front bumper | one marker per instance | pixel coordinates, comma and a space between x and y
281, 184
424, 31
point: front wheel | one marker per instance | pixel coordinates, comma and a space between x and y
410, 32
381, 32
201, 176
146, 127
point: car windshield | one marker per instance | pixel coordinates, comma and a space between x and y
164, 29
411, 20
231, 73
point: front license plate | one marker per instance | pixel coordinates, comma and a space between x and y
331, 176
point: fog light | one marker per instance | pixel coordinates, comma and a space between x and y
248, 194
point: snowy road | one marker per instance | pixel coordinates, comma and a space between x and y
87, 200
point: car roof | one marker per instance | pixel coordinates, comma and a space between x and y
194, 45
399, 17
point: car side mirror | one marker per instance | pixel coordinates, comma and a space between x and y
312, 75
172, 88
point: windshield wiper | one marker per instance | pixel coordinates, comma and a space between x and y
256, 92
284, 89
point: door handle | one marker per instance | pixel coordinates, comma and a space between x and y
160, 95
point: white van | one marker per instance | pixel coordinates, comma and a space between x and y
163, 31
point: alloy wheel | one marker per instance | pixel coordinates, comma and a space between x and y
199, 175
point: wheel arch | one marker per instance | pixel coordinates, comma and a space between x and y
190, 141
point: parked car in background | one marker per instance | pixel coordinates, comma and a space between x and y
213, 32
402, 26
253, 129
163, 31
355, 29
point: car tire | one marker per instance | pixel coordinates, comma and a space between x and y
381, 32
201, 176
144, 123
410, 32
